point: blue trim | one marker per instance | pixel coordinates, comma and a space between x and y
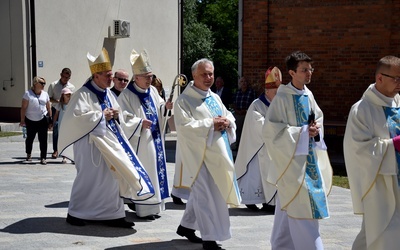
150, 111
111, 124
313, 178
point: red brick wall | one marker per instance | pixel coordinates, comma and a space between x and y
344, 38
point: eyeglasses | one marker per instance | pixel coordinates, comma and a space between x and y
395, 78
122, 80
43, 83
305, 70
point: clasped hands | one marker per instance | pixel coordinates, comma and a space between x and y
110, 113
313, 129
221, 123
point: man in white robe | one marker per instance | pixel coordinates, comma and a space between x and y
371, 151
293, 134
107, 166
252, 161
144, 107
205, 129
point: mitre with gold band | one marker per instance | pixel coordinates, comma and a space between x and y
100, 63
271, 76
140, 63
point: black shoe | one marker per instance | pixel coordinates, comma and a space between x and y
149, 217
121, 222
132, 206
252, 207
210, 245
75, 221
177, 200
268, 208
189, 234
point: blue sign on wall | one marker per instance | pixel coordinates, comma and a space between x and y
40, 64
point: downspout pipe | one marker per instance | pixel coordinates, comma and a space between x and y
240, 50
33, 36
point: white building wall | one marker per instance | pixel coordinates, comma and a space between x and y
66, 30
13, 48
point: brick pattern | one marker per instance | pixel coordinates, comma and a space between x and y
344, 38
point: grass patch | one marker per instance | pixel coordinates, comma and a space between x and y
340, 181
7, 134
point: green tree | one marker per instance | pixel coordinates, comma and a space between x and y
221, 17
198, 41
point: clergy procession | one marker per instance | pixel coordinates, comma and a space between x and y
117, 142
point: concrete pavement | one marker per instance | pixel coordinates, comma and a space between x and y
34, 201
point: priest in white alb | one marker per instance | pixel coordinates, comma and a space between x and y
293, 135
252, 162
372, 157
107, 167
144, 108
205, 130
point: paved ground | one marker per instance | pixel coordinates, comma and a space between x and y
34, 200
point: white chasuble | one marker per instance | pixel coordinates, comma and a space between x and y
197, 146
86, 113
372, 165
252, 162
303, 180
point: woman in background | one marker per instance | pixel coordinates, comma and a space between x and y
36, 116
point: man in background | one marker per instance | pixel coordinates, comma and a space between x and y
120, 80
243, 97
223, 91
54, 91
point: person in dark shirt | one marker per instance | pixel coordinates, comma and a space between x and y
243, 97
120, 80
222, 91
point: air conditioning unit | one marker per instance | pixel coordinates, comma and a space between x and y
120, 29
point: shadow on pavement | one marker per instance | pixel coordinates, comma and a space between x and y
247, 212
63, 204
162, 245
173, 206
60, 226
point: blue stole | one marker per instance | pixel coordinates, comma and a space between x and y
151, 114
393, 122
105, 103
215, 110
313, 177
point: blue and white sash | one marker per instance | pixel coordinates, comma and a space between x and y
393, 121
151, 114
313, 176
215, 110
111, 124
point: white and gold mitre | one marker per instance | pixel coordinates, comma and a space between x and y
100, 63
271, 76
140, 63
